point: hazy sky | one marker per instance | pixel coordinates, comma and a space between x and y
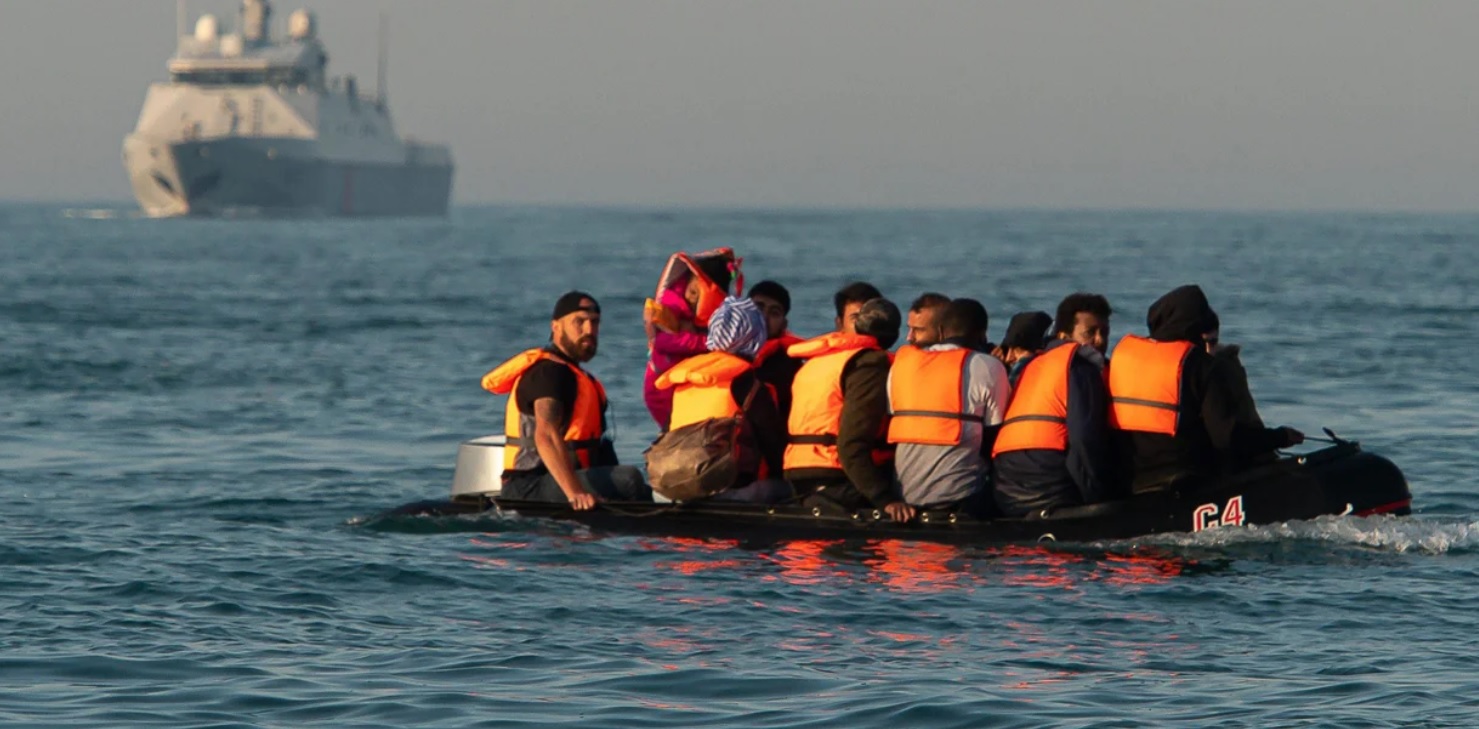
1105, 103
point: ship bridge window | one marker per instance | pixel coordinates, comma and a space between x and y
221, 78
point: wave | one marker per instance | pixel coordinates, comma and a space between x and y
1398, 535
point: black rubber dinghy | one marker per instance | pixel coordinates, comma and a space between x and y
1339, 480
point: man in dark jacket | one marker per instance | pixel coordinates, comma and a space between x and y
772, 365
1208, 438
863, 479
1073, 463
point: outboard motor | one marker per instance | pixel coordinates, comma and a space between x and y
479, 467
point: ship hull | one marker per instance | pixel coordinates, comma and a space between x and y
281, 177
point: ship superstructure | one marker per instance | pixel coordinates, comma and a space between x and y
249, 124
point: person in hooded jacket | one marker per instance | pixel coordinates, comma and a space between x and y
1173, 403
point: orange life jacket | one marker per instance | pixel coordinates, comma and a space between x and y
1038, 416
1145, 385
816, 399
711, 294
772, 346
926, 399
583, 435
701, 387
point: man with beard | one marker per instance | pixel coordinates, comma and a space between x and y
555, 421
924, 319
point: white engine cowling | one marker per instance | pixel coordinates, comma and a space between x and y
479, 466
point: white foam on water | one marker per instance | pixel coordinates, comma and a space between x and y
94, 213
1400, 535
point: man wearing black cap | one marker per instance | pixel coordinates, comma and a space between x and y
555, 422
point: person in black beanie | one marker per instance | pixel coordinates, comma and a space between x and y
1026, 335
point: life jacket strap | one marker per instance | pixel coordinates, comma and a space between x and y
968, 417
821, 440
1035, 418
1144, 403
574, 445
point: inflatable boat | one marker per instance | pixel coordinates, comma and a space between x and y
1338, 480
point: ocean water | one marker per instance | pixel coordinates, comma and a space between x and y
199, 417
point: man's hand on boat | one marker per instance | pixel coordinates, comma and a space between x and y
899, 511
581, 500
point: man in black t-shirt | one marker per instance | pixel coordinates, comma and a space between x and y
556, 419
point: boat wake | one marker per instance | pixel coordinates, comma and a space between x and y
1383, 534
1398, 535
97, 213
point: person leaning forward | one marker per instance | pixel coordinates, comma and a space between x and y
555, 421
837, 457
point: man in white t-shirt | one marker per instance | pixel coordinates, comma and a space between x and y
946, 402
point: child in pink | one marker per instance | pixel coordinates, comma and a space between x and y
672, 337
691, 288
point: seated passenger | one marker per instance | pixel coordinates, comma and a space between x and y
849, 299
1055, 448
924, 319
555, 421
837, 458
976, 322
772, 365
1026, 335
941, 400
1173, 401
723, 383
688, 292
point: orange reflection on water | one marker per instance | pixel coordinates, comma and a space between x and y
916, 566
691, 546
1141, 568
804, 562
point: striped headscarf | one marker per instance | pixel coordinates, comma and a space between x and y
737, 327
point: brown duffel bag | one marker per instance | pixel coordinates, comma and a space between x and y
701, 459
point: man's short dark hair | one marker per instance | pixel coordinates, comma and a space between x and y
1074, 304
774, 291
857, 292
930, 300
879, 318
965, 318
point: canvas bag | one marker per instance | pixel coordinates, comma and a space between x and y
701, 459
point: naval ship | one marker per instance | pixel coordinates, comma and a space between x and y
248, 124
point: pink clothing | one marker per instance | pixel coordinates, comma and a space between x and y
668, 349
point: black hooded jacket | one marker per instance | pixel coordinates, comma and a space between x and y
1209, 440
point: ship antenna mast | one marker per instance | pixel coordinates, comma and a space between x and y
180, 20
384, 51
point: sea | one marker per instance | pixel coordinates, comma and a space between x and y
202, 420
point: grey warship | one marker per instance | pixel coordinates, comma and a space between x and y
250, 125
